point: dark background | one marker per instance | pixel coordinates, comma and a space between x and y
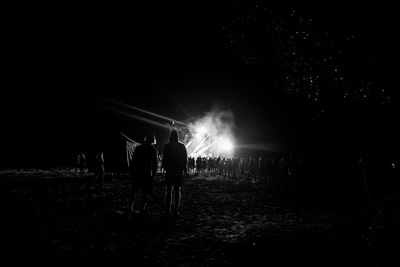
170, 58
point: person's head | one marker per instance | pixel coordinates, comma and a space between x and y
150, 139
173, 138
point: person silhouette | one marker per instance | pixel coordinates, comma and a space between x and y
143, 169
175, 164
81, 163
98, 169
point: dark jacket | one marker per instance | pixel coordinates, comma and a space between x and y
175, 158
144, 160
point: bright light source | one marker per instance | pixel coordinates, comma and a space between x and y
226, 145
210, 136
200, 132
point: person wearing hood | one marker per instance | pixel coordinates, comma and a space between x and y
143, 171
175, 165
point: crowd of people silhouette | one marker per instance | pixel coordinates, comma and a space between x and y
352, 181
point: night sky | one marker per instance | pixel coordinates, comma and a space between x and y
175, 59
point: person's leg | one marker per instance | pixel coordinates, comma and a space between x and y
147, 189
133, 198
145, 199
102, 178
177, 199
134, 193
168, 199
96, 176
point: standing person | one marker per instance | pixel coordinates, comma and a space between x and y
81, 163
252, 168
143, 169
175, 164
98, 168
235, 167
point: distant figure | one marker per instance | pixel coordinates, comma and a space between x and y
191, 164
81, 163
252, 168
235, 167
143, 170
175, 164
198, 165
98, 168
263, 166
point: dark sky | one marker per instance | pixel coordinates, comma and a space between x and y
170, 59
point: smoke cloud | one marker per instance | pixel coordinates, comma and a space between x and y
211, 135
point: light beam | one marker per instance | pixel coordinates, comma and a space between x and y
138, 117
144, 111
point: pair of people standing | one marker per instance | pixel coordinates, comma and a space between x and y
144, 169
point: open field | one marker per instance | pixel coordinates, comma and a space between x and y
54, 218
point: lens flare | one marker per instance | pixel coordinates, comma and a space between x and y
226, 145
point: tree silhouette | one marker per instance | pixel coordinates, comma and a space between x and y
337, 62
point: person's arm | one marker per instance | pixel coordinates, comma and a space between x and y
133, 162
164, 158
154, 164
185, 160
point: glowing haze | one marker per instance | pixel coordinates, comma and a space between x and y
211, 135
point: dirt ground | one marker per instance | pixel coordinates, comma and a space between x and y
53, 217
